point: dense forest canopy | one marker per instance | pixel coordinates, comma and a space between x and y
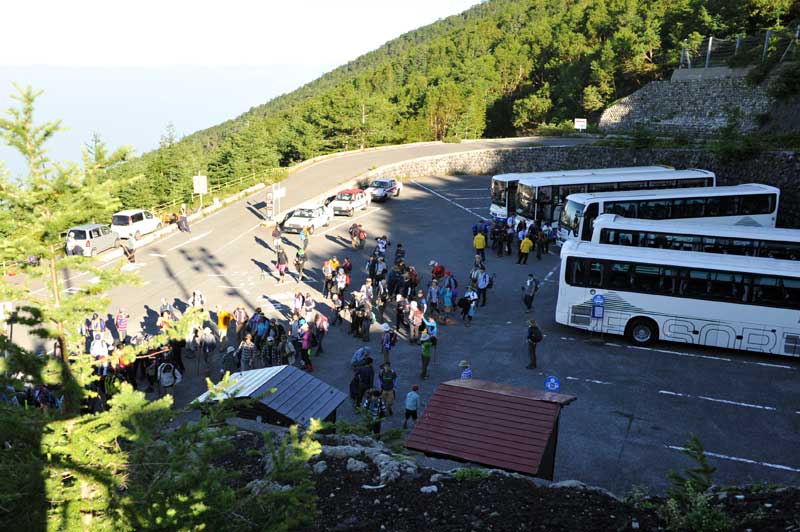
498, 69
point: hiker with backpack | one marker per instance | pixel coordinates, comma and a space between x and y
388, 341
388, 382
246, 352
282, 262
534, 337
375, 408
168, 377
529, 290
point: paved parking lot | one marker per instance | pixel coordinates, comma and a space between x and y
636, 407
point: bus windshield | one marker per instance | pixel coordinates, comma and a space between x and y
570, 216
499, 193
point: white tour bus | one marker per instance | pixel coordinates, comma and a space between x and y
751, 205
684, 236
504, 186
543, 198
732, 302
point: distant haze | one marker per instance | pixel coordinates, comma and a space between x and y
133, 105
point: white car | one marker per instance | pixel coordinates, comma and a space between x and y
311, 215
384, 188
134, 222
349, 201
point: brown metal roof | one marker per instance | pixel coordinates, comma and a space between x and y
488, 423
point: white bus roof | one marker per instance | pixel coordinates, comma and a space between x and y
689, 259
616, 178
622, 195
677, 227
589, 171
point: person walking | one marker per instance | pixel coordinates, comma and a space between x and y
388, 339
466, 370
524, 249
321, 324
427, 350
276, 237
414, 321
305, 235
529, 290
479, 243
534, 337
183, 219
283, 263
224, 319
539, 236
412, 405
300, 263
375, 408
388, 382
247, 352
130, 249
241, 318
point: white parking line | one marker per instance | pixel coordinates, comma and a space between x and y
346, 222
715, 400
711, 357
193, 239
742, 460
592, 381
448, 200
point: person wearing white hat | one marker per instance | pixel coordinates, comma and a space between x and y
388, 339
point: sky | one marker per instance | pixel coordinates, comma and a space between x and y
127, 70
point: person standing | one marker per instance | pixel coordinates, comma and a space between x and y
240, 317
276, 237
121, 324
432, 298
387, 341
479, 243
524, 248
529, 290
376, 411
283, 264
183, 220
427, 350
300, 263
304, 234
388, 382
401, 310
483, 285
534, 337
130, 249
412, 405
247, 352
321, 325
414, 321
466, 370
224, 319
539, 236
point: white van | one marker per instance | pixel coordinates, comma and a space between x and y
134, 222
311, 215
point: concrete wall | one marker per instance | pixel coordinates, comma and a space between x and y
780, 169
691, 107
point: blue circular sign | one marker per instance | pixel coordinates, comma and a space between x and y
552, 383
599, 300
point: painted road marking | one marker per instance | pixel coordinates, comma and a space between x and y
715, 400
193, 239
156, 255
711, 357
592, 381
484, 189
346, 222
448, 200
738, 459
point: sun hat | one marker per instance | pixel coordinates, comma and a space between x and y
414, 305
463, 364
386, 327
425, 337
230, 349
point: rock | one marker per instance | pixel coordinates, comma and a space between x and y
257, 487
740, 497
767, 505
348, 524
389, 469
722, 495
320, 467
575, 484
635, 524
494, 514
429, 489
439, 477
354, 465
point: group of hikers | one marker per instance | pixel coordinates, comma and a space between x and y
506, 235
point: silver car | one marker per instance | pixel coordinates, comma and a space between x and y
90, 239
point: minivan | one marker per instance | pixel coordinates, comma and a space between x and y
134, 222
90, 239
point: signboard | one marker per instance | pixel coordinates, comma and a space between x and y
598, 307
279, 192
551, 383
270, 205
580, 124
200, 183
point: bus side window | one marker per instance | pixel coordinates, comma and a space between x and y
576, 272
595, 274
645, 278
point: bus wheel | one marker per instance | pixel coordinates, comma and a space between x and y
642, 331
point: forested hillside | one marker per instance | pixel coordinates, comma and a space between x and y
500, 68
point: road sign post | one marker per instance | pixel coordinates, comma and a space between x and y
580, 124
598, 312
270, 206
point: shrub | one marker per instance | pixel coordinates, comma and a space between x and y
470, 474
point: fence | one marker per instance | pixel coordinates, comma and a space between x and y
742, 50
229, 187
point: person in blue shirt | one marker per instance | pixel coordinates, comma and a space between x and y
412, 405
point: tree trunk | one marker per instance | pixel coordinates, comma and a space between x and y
56, 293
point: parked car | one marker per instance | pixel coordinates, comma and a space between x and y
90, 239
311, 215
135, 222
349, 201
384, 188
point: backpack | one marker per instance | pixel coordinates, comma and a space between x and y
168, 376
536, 335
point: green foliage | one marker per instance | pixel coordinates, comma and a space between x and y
731, 144
643, 138
787, 83
501, 68
688, 503
470, 474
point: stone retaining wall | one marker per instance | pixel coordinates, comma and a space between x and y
692, 107
780, 169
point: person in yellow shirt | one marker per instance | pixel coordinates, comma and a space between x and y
524, 248
223, 321
479, 243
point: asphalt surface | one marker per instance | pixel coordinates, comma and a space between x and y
635, 407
